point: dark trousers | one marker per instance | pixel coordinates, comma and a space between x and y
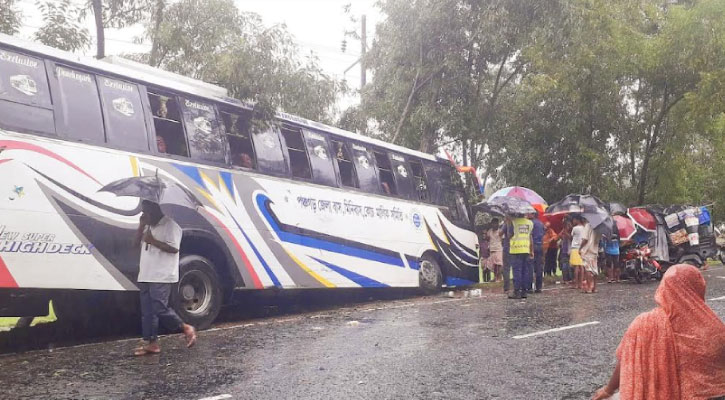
536, 269
550, 261
566, 272
520, 265
506, 271
155, 308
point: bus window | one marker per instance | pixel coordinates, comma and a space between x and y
344, 164
24, 94
123, 114
385, 173
170, 137
322, 170
403, 177
419, 181
298, 160
237, 130
270, 157
365, 168
202, 130
78, 106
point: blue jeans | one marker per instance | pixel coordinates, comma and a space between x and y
567, 274
155, 308
520, 266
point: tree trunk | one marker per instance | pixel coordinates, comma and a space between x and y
100, 33
158, 16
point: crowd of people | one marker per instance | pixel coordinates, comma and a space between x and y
526, 249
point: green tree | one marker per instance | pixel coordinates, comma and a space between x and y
9, 17
62, 27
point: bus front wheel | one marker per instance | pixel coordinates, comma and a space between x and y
430, 275
198, 296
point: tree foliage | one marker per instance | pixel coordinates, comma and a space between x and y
62, 27
9, 17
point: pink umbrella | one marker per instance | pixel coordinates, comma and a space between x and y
522, 193
643, 218
625, 226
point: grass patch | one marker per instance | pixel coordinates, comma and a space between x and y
9, 322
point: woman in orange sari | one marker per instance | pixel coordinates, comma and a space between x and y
674, 352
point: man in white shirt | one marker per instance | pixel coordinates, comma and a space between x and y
590, 254
160, 238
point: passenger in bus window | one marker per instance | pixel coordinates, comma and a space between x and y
161, 144
386, 187
243, 160
160, 239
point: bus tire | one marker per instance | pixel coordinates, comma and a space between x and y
197, 298
430, 277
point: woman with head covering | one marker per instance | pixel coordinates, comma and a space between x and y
677, 350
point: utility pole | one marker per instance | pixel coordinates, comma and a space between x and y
363, 50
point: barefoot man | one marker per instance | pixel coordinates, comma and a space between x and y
159, 237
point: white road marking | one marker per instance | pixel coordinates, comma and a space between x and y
220, 397
559, 329
717, 298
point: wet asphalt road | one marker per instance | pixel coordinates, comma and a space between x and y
421, 347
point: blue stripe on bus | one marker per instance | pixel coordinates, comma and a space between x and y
361, 280
453, 281
271, 274
227, 178
321, 244
191, 172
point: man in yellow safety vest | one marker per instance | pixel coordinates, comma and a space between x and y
521, 251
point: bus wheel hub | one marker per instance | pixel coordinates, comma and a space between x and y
188, 292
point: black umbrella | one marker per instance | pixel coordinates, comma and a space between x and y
590, 207
152, 188
506, 205
617, 209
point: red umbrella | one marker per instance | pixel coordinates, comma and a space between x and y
643, 218
625, 226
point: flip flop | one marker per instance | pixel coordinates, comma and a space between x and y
144, 351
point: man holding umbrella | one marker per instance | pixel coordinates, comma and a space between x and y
160, 238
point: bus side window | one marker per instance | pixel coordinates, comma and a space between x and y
320, 160
236, 126
202, 129
385, 173
170, 138
342, 156
270, 157
25, 102
298, 160
403, 177
123, 114
421, 184
364, 162
78, 106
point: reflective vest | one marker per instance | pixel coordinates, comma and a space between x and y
521, 240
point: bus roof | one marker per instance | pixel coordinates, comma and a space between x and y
158, 77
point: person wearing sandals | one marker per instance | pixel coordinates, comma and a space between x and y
159, 238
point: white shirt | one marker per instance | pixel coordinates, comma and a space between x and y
591, 249
158, 266
577, 234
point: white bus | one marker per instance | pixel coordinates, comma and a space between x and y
301, 205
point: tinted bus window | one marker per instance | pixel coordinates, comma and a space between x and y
343, 158
322, 170
385, 173
23, 79
202, 129
25, 102
236, 126
270, 157
123, 114
419, 181
78, 107
403, 177
298, 161
170, 138
365, 168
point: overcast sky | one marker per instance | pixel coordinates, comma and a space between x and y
317, 25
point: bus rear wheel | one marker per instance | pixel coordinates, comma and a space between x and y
198, 296
429, 275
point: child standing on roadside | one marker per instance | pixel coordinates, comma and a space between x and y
495, 248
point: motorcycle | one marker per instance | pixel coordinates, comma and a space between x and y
639, 265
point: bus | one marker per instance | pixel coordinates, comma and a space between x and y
299, 205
